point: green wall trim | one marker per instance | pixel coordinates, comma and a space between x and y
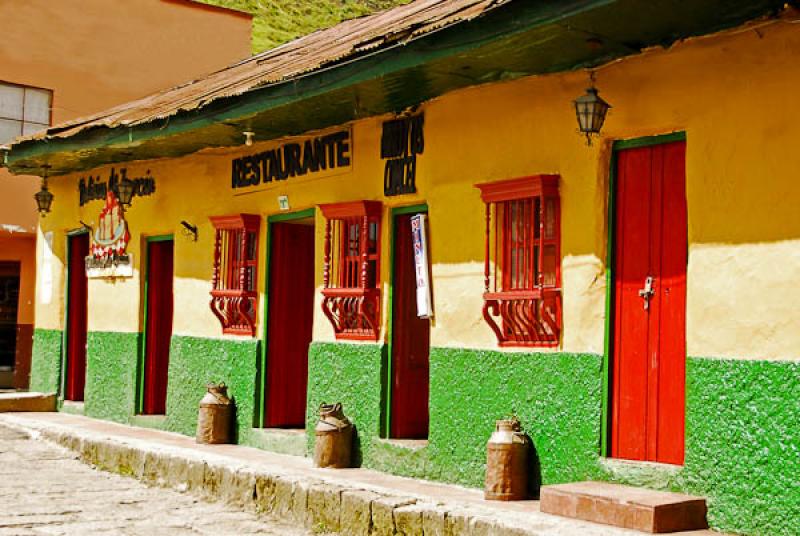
196, 361
46, 361
647, 141
290, 216
111, 366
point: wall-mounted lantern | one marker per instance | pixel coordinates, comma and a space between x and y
591, 112
189, 230
44, 197
125, 192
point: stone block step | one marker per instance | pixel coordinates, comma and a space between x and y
24, 401
625, 506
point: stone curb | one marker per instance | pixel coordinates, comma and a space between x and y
316, 504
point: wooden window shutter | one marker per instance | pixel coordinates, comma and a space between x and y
234, 283
351, 271
522, 266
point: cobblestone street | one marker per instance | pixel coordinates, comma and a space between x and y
45, 490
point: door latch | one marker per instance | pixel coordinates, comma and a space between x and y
647, 292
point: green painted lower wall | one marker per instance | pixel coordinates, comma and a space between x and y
742, 446
743, 443
194, 362
556, 397
742, 440
111, 359
350, 374
46, 360
470, 389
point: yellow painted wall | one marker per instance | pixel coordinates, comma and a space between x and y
731, 94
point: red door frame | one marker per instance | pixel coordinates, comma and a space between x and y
608, 363
158, 320
76, 318
397, 402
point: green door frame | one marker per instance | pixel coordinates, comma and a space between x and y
386, 422
618, 145
261, 391
144, 268
62, 372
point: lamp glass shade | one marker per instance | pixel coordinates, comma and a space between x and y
591, 111
125, 192
44, 199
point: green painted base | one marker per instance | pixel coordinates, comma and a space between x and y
195, 362
741, 415
111, 359
46, 361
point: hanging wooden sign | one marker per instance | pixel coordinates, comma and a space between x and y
108, 255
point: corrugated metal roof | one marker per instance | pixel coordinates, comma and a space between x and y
335, 45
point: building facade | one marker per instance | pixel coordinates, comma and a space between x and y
62, 60
630, 301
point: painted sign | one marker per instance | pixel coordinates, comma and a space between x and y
293, 159
93, 188
421, 267
107, 252
402, 140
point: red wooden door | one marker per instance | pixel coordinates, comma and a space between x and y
410, 342
291, 318
77, 285
159, 326
649, 345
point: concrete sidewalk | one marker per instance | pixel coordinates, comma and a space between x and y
351, 501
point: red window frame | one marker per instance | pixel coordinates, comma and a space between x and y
522, 267
351, 272
234, 283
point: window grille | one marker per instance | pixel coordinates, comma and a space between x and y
234, 292
522, 268
351, 271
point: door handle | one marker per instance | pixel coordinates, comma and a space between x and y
647, 292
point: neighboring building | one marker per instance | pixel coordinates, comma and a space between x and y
61, 60
634, 299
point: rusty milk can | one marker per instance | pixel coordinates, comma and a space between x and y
507, 462
334, 437
215, 419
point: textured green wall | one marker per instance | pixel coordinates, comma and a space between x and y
556, 396
111, 359
46, 360
470, 389
742, 446
743, 443
195, 361
350, 374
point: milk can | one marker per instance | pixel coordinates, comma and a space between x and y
334, 437
215, 420
507, 462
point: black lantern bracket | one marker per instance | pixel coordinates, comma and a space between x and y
189, 230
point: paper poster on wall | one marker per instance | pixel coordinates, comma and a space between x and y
421, 268
46, 270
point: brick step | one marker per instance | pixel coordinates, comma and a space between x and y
24, 401
625, 506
